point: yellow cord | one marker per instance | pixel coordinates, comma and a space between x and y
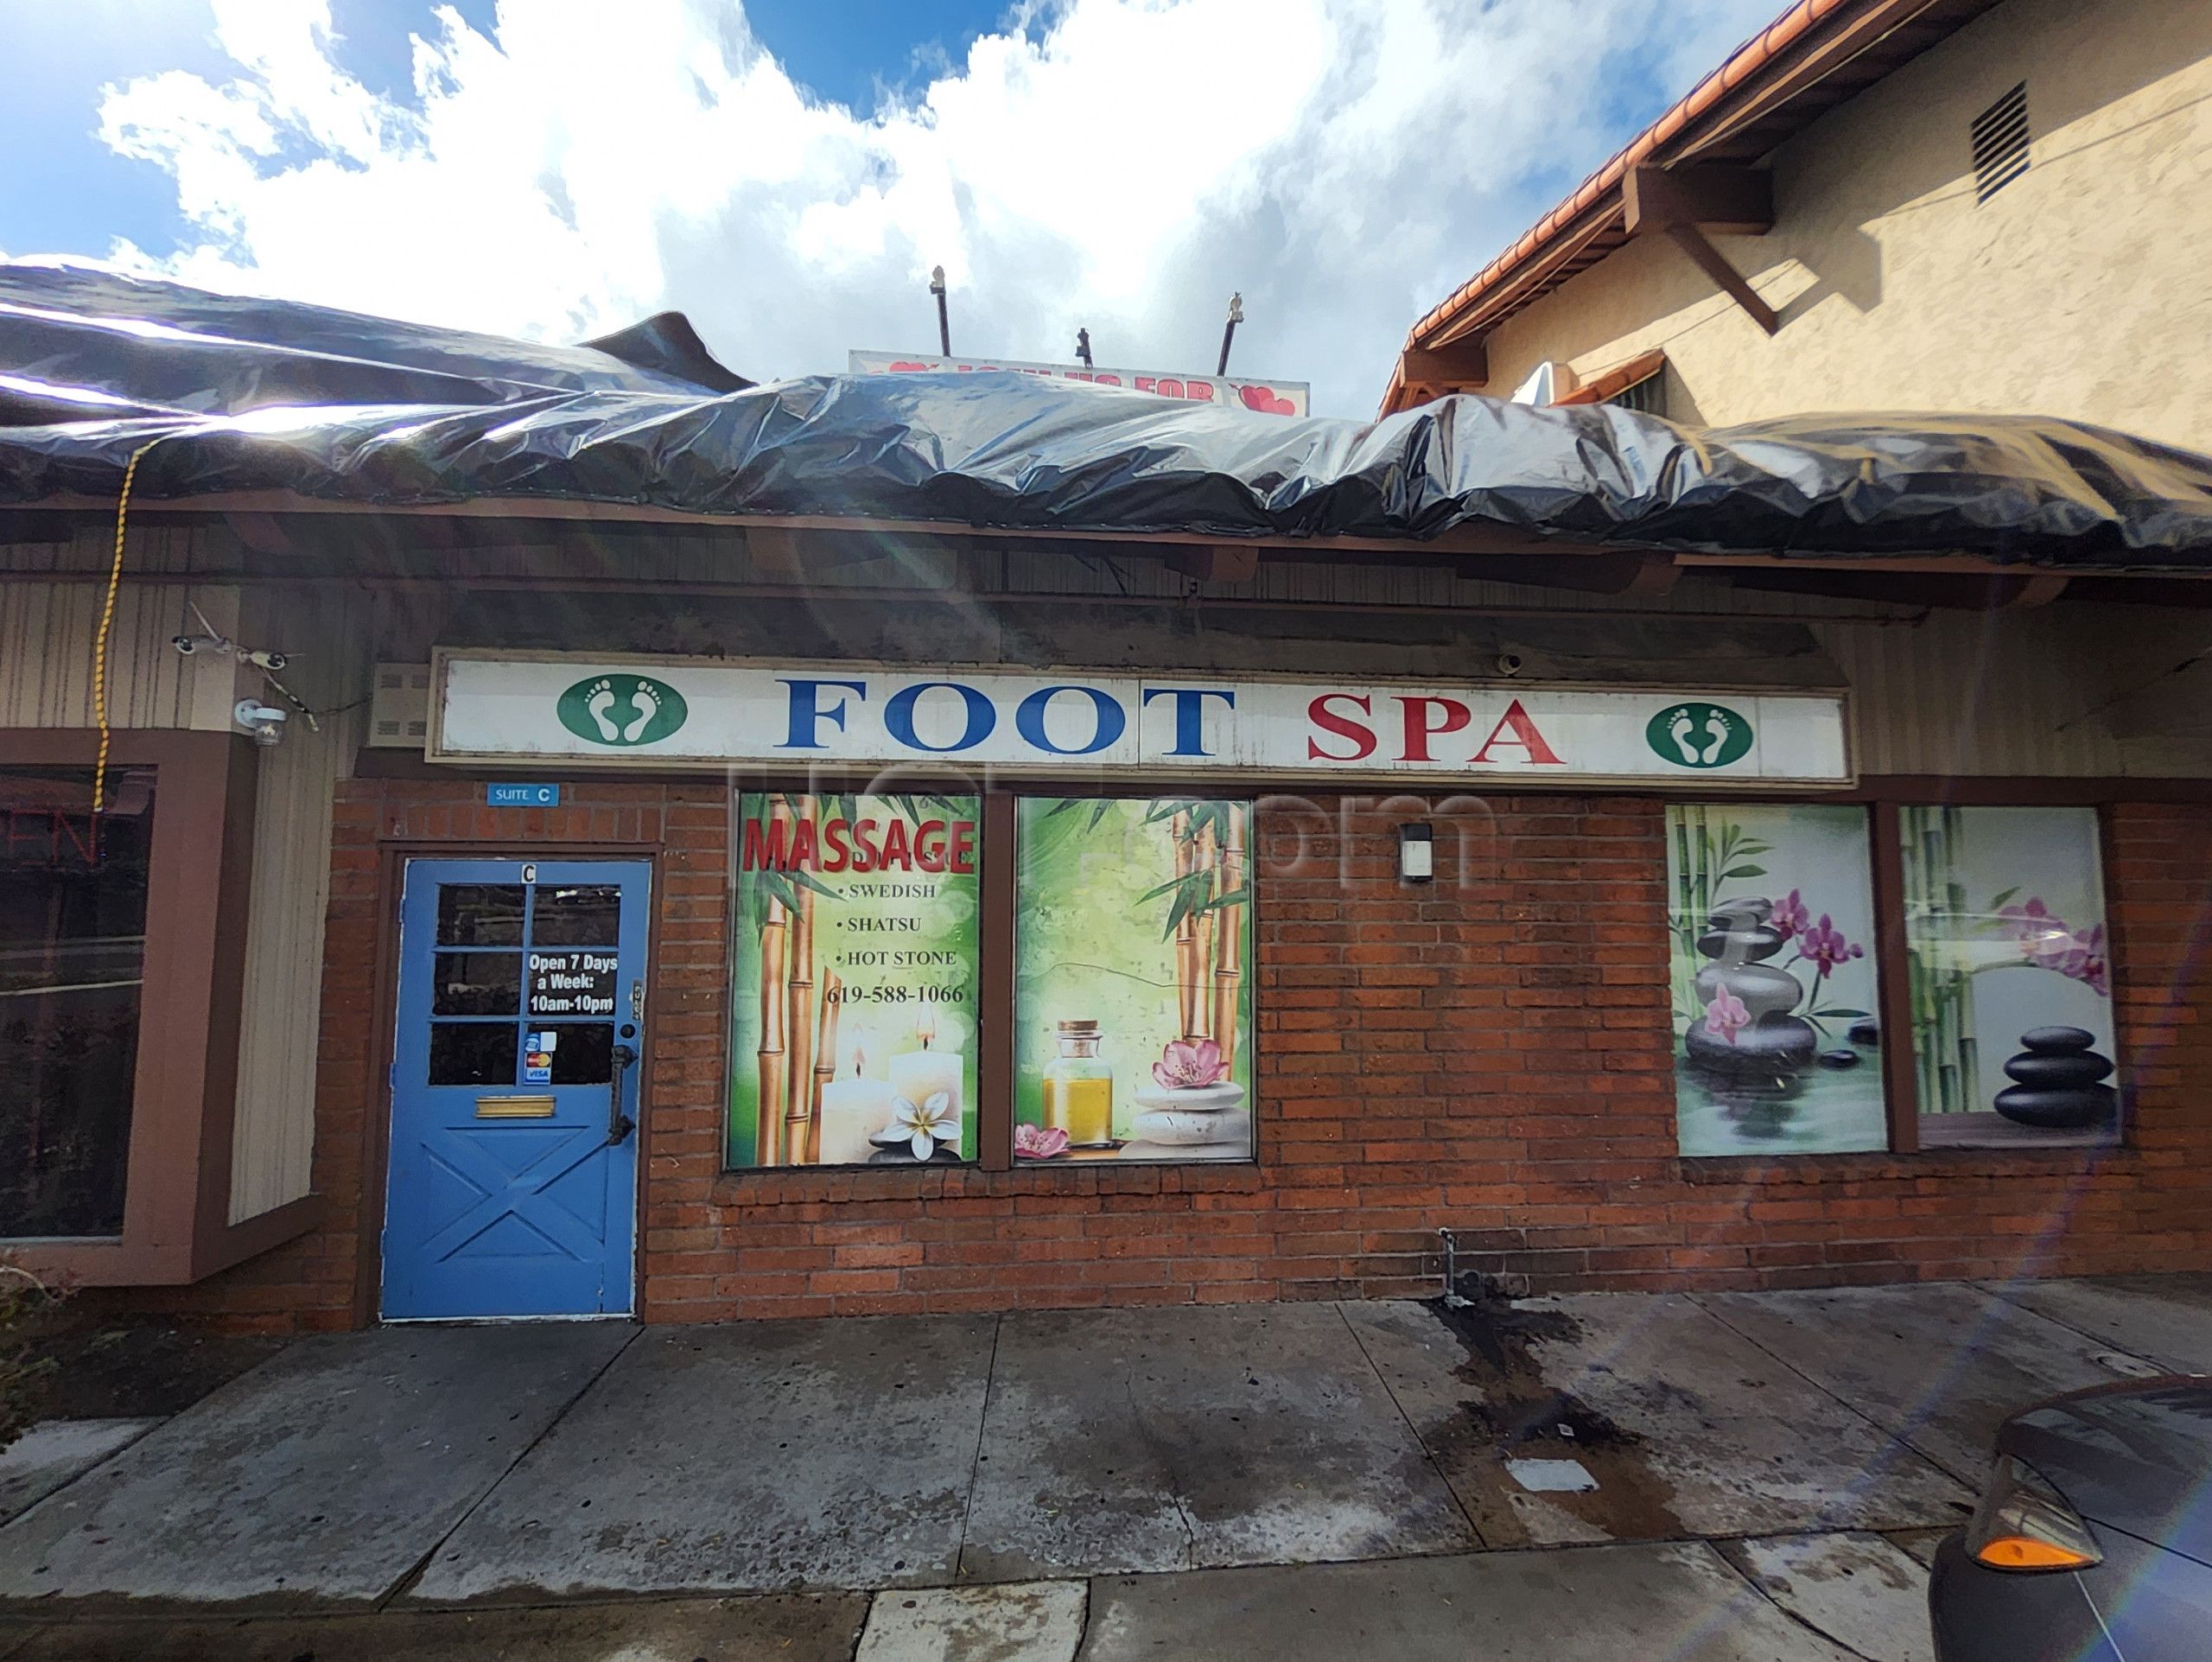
107, 622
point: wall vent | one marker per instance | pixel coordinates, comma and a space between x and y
2000, 143
399, 707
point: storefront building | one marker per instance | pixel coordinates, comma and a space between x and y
696, 914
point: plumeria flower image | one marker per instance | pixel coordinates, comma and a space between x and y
1825, 946
1039, 1142
1185, 1064
1727, 1016
927, 1124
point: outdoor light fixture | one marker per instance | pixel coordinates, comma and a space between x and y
1417, 852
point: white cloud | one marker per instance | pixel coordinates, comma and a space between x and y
1121, 164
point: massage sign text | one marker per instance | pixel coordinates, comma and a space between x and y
887, 864
1094, 723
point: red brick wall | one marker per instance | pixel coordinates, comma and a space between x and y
1490, 1052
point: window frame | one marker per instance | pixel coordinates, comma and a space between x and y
739, 787
1885, 799
997, 924
176, 1225
1253, 1046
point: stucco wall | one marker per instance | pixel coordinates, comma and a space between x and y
2082, 289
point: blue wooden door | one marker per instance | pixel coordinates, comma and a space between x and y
512, 1185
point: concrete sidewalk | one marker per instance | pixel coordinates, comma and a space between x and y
1128, 1477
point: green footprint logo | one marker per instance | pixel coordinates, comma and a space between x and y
622, 711
1697, 734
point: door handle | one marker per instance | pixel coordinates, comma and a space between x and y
619, 1124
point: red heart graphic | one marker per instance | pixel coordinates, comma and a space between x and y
1264, 400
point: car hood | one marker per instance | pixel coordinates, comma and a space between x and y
2136, 1457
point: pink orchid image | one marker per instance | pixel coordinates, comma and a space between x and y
1791, 915
1183, 1066
2043, 937
1824, 946
1039, 1142
2084, 960
1727, 1016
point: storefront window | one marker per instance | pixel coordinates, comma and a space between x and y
1133, 1002
2012, 991
72, 937
1776, 1044
855, 985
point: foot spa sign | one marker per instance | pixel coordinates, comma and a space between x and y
1097, 723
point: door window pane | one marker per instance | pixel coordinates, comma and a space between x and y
477, 983
73, 927
579, 1053
479, 914
2011, 988
472, 1053
855, 981
1777, 1046
1132, 964
575, 915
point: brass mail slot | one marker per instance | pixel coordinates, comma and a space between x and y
514, 1107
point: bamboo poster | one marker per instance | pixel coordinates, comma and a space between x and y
1778, 1048
854, 988
1134, 970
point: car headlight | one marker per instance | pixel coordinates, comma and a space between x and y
2022, 1524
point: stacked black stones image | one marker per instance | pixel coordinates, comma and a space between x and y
2059, 1081
1738, 939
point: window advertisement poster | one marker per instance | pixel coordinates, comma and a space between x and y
854, 988
1133, 972
2011, 987
1772, 916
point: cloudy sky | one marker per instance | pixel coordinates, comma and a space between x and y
787, 171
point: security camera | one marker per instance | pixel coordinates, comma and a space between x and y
266, 660
1509, 663
265, 722
185, 644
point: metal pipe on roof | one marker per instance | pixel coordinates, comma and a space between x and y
944, 323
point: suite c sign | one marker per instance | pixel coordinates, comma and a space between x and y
677, 712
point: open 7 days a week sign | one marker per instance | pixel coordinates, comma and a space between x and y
665, 711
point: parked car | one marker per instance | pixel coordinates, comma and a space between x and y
2093, 1542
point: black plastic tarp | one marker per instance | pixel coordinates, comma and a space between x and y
265, 396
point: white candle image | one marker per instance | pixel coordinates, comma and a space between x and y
852, 1109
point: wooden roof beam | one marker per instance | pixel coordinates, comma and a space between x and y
1461, 363
1687, 203
1725, 198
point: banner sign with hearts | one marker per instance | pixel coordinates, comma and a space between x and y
1268, 398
